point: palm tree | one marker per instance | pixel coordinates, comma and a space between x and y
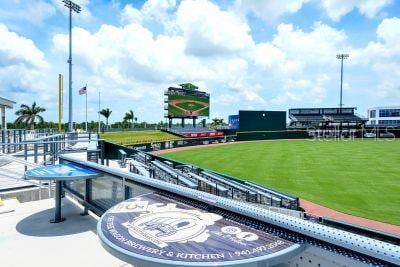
106, 113
129, 116
189, 86
217, 122
28, 114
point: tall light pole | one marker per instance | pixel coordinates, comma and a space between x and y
341, 57
72, 7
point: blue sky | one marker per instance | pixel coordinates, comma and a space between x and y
249, 54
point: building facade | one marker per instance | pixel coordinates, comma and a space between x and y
5, 104
384, 116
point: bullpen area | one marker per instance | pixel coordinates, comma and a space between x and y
359, 177
138, 137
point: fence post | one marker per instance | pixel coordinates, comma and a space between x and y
35, 153
53, 150
20, 139
2, 140
127, 192
44, 152
15, 140
87, 197
8, 141
102, 152
26, 154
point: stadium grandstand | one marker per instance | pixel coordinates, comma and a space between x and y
210, 182
325, 118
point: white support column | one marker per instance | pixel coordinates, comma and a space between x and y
3, 118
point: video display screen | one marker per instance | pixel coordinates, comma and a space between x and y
188, 103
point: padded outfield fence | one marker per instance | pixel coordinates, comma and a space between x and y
319, 133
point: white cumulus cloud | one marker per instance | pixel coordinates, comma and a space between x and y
336, 9
269, 10
209, 31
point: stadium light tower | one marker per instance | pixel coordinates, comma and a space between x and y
341, 57
72, 7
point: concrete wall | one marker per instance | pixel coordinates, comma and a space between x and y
28, 194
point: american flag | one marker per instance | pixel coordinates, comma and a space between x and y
82, 91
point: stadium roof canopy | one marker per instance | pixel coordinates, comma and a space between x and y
6, 103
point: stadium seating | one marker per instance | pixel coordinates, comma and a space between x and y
318, 117
207, 181
168, 174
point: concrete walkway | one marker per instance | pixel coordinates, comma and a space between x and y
28, 239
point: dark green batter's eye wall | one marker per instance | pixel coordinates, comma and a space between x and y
262, 120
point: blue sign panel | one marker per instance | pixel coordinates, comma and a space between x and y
155, 229
65, 171
233, 121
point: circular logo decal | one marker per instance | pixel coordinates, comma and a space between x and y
157, 227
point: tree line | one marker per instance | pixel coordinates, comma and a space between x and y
29, 117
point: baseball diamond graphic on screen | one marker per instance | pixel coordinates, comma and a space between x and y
188, 103
154, 229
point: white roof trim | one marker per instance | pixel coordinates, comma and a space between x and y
7, 103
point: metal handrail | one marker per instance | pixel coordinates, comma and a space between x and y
26, 164
15, 159
49, 142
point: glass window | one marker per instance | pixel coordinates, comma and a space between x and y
107, 191
309, 111
330, 111
389, 122
347, 111
395, 113
389, 113
372, 114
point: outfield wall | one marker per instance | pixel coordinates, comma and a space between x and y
271, 135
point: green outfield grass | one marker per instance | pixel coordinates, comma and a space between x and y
361, 178
137, 137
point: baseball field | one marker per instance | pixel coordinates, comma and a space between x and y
360, 178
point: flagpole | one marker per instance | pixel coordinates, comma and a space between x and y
86, 108
99, 114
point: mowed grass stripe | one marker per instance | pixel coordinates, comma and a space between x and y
360, 177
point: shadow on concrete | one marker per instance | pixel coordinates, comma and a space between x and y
38, 223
